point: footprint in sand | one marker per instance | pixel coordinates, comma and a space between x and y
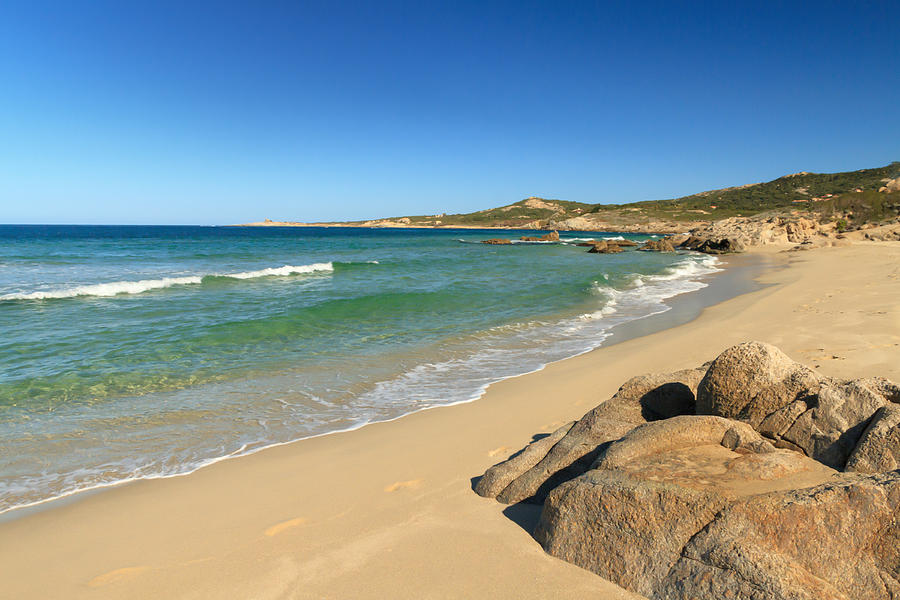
280, 527
116, 575
496, 451
399, 485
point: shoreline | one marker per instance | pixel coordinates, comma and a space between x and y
354, 514
734, 276
636, 229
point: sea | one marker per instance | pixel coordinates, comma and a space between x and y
130, 352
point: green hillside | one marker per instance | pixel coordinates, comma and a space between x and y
787, 191
822, 193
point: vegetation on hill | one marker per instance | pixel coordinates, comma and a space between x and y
852, 192
787, 191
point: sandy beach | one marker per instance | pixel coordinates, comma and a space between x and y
388, 511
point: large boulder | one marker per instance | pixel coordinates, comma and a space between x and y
724, 482
839, 540
639, 400
837, 416
650, 493
878, 449
622, 527
789, 403
751, 381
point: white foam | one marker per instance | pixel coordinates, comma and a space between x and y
114, 288
572, 240
282, 271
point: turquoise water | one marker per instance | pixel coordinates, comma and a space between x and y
133, 352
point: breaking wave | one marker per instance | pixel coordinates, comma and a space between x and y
114, 288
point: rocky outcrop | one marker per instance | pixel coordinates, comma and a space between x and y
891, 185
737, 234
497, 241
725, 481
553, 236
713, 245
660, 245
887, 232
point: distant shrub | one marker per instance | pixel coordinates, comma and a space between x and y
841, 225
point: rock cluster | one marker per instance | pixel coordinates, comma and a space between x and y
751, 477
692, 242
605, 247
762, 230
497, 241
661, 245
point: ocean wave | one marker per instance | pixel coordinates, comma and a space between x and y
574, 240
651, 291
459, 374
282, 271
511, 241
115, 288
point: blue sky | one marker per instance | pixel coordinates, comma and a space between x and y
219, 112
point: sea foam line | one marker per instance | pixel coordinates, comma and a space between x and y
114, 288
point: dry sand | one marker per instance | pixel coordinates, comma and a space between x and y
387, 511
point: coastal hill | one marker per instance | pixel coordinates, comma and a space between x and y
868, 194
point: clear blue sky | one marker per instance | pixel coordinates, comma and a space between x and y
221, 112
